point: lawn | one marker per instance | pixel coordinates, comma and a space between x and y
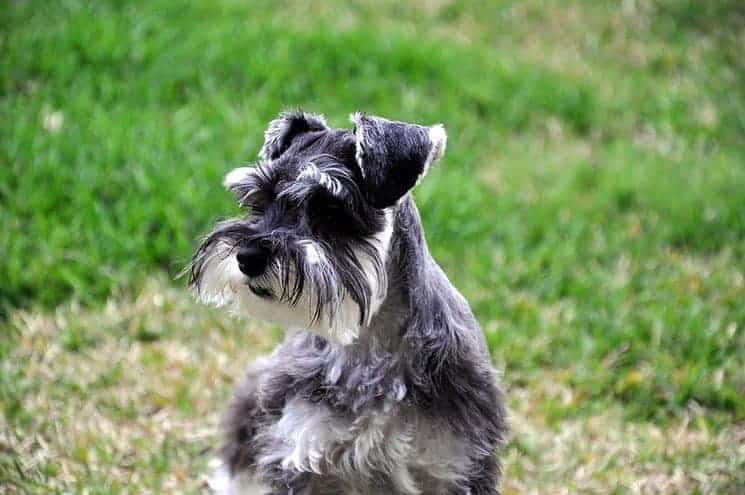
591, 207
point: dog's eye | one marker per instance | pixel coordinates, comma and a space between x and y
324, 207
327, 210
332, 216
257, 203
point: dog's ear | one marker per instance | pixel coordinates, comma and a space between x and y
282, 130
394, 156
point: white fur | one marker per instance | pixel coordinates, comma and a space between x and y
312, 172
220, 482
236, 176
439, 139
388, 440
221, 277
313, 252
378, 284
360, 135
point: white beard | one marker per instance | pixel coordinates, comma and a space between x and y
223, 285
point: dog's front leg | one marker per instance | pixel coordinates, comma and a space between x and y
241, 423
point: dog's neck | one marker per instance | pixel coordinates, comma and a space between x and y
409, 268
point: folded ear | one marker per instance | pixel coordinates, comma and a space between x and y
394, 156
282, 130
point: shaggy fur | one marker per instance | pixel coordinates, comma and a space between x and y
383, 383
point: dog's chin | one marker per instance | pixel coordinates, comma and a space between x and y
259, 291
261, 303
223, 285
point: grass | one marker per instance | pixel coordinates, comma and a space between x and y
590, 206
101, 406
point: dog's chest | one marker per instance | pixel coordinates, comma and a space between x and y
385, 442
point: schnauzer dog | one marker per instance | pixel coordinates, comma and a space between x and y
383, 384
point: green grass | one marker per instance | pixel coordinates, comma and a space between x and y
591, 204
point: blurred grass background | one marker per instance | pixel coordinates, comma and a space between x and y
591, 206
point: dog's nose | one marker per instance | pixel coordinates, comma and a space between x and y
252, 260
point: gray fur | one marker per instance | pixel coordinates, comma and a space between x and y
410, 403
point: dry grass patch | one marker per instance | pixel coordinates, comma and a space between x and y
602, 453
126, 399
122, 399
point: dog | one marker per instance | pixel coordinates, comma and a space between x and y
383, 384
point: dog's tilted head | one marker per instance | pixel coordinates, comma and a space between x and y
311, 250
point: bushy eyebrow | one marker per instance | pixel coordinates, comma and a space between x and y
260, 181
322, 171
313, 173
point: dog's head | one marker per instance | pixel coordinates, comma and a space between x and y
311, 250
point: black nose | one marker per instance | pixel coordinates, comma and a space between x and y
252, 260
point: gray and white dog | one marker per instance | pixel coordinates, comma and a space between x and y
383, 384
